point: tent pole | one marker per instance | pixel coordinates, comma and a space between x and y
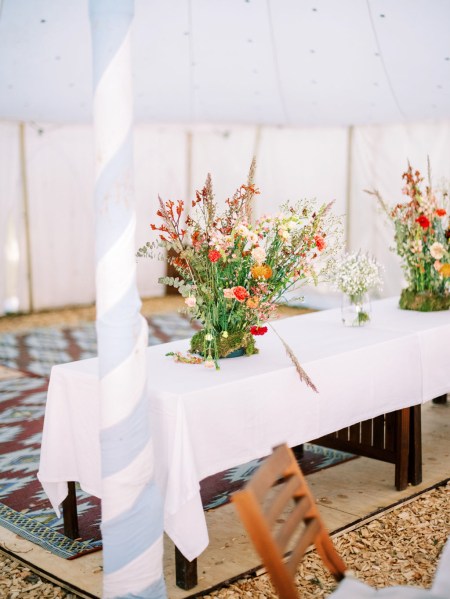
348, 199
26, 213
132, 520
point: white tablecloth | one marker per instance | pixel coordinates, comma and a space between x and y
205, 421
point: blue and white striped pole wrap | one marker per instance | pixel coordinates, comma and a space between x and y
132, 520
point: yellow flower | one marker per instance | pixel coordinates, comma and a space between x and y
261, 271
445, 270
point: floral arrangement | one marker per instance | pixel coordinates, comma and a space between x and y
355, 275
422, 236
233, 270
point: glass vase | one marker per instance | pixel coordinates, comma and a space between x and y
355, 310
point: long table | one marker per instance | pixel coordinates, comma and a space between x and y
204, 421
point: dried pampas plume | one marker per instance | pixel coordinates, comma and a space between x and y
301, 372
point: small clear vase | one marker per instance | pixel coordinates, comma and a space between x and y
356, 310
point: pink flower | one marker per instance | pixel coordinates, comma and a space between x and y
228, 293
320, 242
209, 363
190, 301
437, 265
258, 254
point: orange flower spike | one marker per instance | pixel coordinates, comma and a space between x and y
169, 205
180, 208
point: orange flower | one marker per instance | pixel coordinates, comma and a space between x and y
445, 270
252, 302
440, 212
240, 293
261, 271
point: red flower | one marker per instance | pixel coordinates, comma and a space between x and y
240, 293
258, 330
423, 221
441, 212
213, 255
320, 242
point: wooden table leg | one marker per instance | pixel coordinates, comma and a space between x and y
415, 446
402, 449
70, 516
185, 571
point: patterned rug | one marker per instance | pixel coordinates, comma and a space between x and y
27, 358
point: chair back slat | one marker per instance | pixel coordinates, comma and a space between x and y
291, 524
275, 467
283, 496
312, 529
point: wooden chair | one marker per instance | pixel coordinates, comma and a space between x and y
260, 505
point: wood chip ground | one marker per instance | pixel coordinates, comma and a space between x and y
401, 547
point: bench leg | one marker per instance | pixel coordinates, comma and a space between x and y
70, 515
299, 451
415, 446
442, 399
402, 449
185, 571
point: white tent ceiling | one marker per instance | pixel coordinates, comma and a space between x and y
279, 62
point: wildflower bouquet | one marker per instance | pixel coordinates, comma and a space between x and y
355, 275
233, 272
422, 237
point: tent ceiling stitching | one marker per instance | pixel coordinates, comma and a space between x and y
288, 63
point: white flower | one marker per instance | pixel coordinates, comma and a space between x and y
357, 273
259, 255
416, 246
437, 250
242, 230
190, 301
283, 233
208, 337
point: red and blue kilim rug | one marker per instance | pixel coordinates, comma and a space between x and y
24, 507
